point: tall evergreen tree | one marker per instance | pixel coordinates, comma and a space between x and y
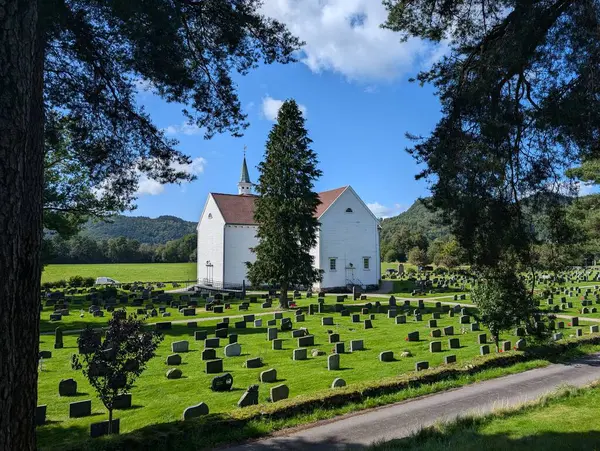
286, 206
69, 72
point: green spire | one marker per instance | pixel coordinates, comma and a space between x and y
245, 178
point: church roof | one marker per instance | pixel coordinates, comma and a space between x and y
245, 177
239, 209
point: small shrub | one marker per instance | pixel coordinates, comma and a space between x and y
75, 281
89, 282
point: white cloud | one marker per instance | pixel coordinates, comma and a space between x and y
345, 36
185, 128
270, 108
151, 187
381, 211
586, 189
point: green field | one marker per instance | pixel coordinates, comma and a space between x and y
568, 420
158, 400
123, 272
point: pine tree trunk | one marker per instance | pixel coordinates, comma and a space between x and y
110, 419
21, 181
283, 298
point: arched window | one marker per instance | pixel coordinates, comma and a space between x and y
349, 210
210, 216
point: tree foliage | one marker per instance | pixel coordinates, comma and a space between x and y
520, 106
112, 366
98, 55
503, 301
286, 206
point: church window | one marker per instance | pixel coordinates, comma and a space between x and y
210, 216
366, 263
349, 210
332, 264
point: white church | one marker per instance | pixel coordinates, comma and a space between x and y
347, 247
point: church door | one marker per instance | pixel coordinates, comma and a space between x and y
209, 273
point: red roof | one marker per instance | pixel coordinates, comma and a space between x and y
239, 209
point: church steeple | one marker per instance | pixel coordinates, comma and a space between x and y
244, 185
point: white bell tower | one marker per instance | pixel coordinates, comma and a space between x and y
244, 185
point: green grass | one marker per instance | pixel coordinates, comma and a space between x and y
565, 420
158, 400
125, 272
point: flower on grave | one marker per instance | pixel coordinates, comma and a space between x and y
569, 324
405, 338
500, 350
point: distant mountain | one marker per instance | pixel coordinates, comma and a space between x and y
417, 218
145, 230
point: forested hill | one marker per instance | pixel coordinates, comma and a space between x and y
143, 229
418, 219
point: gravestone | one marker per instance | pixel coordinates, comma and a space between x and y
40, 415
255, 362
213, 366
333, 362
413, 336
420, 366
249, 318
195, 411
258, 322
338, 347
308, 340
481, 339
101, 428
574, 321
436, 333
45, 354
368, 324
386, 356
355, 318
356, 345
80, 409
240, 324
286, 324
594, 329
67, 387
166, 325
451, 358
401, 319
579, 332
212, 342
174, 373
122, 401
520, 344
277, 344
58, 338
465, 319
432, 323
233, 338
453, 343
435, 346
250, 397
271, 333
299, 318
327, 321
279, 392
557, 336
299, 354
222, 383
392, 313
269, 375
180, 346
338, 383
173, 360
209, 354
506, 346
233, 350
298, 333
334, 338
221, 333
484, 349
475, 327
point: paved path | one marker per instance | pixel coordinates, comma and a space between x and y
358, 431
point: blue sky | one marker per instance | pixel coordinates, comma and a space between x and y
352, 81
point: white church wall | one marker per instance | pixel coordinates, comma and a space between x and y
210, 243
349, 237
238, 241
315, 252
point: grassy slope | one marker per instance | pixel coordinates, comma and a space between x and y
568, 420
125, 272
159, 400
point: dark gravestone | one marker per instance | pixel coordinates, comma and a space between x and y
221, 333
101, 428
279, 392
250, 397
268, 375
419, 366
222, 383
233, 338
163, 326
214, 366
449, 359
212, 343
256, 362
67, 387
195, 411
173, 360
368, 324
209, 354
45, 354
80, 409
308, 340
40, 415
122, 401
200, 335
413, 336
174, 373
240, 325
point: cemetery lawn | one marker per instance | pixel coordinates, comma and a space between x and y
565, 420
158, 400
123, 272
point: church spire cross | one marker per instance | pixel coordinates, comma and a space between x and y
245, 185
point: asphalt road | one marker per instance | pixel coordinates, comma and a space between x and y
400, 420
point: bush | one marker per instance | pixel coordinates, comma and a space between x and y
47, 285
75, 281
393, 276
89, 282
60, 284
